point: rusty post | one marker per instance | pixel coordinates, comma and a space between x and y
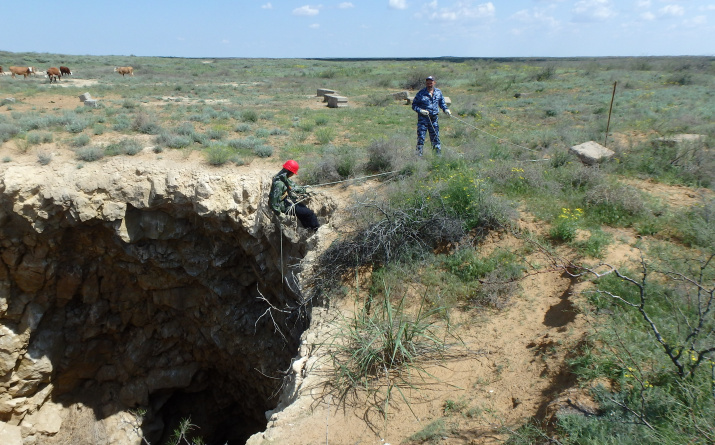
609, 113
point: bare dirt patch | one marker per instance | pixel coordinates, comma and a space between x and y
675, 196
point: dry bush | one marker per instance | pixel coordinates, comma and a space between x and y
383, 233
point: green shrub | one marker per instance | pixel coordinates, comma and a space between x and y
471, 199
262, 133
696, 226
216, 134
306, 126
8, 131
491, 280
173, 140
185, 129
80, 141
243, 128
36, 138
129, 104
145, 124
89, 154
381, 155
566, 224
124, 147
122, 123
246, 143
325, 135
249, 116
263, 151
76, 126
278, 132
432, 433
378, 100
386, 340
44, 157
614, 204
595, 245
218, 154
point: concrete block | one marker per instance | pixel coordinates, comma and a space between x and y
85, 97
448, 101
402, 95
591, 152
324, 91
679, 139
335, 101
91, 103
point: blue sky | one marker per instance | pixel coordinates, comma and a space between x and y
360, 28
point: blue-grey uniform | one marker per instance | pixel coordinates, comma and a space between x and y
432, 103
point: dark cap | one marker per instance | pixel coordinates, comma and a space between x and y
429, 78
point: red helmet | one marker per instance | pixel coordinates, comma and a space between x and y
291, 166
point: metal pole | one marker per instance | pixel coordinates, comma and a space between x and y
609, 113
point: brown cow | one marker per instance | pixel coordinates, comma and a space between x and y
124, 70
54, 74
1, 71
64, 70
24, 70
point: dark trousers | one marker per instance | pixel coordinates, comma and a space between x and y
306, 216
428, 124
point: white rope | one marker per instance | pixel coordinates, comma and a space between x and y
352, 179
495, 137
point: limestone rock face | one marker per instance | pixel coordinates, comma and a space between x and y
164, 288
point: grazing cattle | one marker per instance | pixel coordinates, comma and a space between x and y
24, 70
124, 70
54, 74
64, 70
1, 71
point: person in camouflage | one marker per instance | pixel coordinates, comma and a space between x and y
427, 103
284, 197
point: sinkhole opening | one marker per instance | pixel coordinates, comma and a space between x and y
168, 317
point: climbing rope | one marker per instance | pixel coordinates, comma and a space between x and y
491, 135
352, 179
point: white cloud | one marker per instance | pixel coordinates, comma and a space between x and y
398, 4
267, 6
593, 10
671, 10
648, 16
306, 11
464, 10
314, 26
225, 41
707, 8
695, 21
643, 4
346, 5
535, 17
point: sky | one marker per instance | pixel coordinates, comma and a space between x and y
360, 28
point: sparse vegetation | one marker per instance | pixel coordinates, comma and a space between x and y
507, 156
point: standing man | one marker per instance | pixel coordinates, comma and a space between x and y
284, 197
427, 103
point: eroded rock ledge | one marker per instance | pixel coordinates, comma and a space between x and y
125, 286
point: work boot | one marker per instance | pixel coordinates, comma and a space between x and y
420, 148
438, 150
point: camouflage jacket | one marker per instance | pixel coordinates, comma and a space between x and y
282, 190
